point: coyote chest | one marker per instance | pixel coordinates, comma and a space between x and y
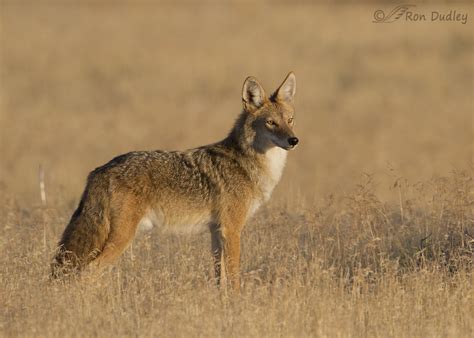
275, 160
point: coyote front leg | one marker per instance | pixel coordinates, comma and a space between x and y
231, 255
226, 254
216, 247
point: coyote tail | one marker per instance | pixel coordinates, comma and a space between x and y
87, 231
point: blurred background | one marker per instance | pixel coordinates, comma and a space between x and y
83, 81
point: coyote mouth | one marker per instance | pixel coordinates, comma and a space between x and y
287, 147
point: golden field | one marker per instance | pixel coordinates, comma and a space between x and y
370, 232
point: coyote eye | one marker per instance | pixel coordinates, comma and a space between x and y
271, 123
290, 120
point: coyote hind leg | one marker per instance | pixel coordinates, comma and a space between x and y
126, 213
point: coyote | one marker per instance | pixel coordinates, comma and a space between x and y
215, 187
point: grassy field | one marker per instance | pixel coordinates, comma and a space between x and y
370, 232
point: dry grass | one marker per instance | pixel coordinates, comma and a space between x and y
336, 252
348, 267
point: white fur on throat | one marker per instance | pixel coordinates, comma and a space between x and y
275, 162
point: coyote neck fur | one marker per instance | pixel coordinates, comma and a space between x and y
269, 158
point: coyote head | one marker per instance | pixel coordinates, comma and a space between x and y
269, 121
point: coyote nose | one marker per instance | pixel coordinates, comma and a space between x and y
293, 141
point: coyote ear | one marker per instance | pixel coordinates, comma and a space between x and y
253, 95
286, 91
